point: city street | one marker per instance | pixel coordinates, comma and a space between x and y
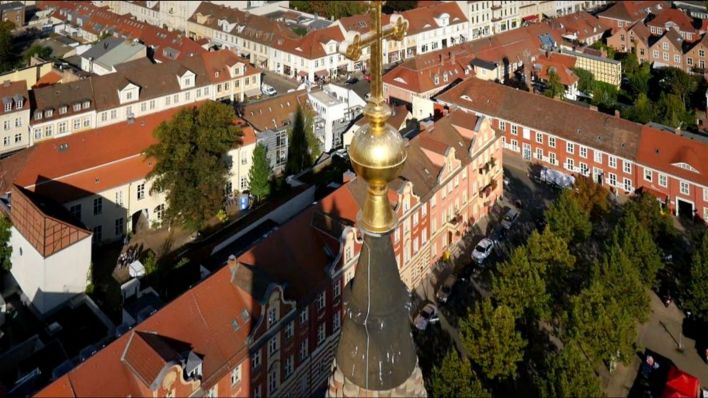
280, 83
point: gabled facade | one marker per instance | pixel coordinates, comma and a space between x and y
667, 50
14, 116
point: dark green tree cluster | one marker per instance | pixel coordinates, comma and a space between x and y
554, 87
192, 166
567, 219
331, 9
697, 297
585, 79
303, 145
37, 50
455, 378
8, 60
5, 248
568, 373
259, 174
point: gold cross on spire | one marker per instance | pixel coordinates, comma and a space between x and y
378, 153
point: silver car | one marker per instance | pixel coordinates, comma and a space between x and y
482, 250
426, 315
510, 218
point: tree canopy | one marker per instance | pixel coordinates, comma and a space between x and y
303, 146
192, 167
604, 95
5, 248
455, 378
567, 219
591, 197
585, 79
491, 339
40, 51
568, 373
259, 175
554, 87
697, 300
7, 54
330, 9
635, 240
520, 285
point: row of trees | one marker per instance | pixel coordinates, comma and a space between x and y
338, 9
565, 287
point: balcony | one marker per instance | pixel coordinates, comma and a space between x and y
487, 166
488, 189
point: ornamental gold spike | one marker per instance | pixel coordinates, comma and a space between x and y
378, 151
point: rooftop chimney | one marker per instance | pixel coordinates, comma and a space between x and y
617, 113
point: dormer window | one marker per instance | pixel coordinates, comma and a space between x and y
272, 316
77, 107
48, 113
129, 95
216, 74
8, 106
188, 82
87, 104
19, 102
436, 79
62, 110
38, 115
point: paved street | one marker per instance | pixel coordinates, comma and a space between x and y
280, 83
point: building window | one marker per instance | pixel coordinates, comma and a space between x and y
677, 59
598, 156
569, 164
655, 53
336, 321
552, 142
37, 134
304, 352
272, 316
415, 219
120, 226
97, 206
289, 328
257, 392
513, 129
539, 138
61, 129
336, 289
684, 188
662, 180
321, 333
321, 299
689, 61
552, 158
236, 375
256, 360
273, 381
87, 122
62, 110
648, 175
18, 137
583, 152
612, 161
212, 392
272, 345
705, 194
114, 114
18, 122
570, 147
97, 234
627, 166
612, 179
143, 107
104, 116
304, 316
289, 365
77, 124
75, 211
584, 169
141, 191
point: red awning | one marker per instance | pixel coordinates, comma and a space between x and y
322, 73
681, 385
302, 73
530, 18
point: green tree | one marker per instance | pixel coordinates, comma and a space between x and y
5, 248
601, 326
680, 83
549, 253
672, 112
642, 111
604, 95
455, 378
37, 50
623, 280
568, 373
491, 339
554, 87
259, 175
192, 167
585, 79
630, 63
520, 285
567, 219
591, 197
635, 240
331, 9
647, 210
639, 79
299, 153
7, 54
697, 300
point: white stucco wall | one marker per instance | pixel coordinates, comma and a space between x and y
49, 282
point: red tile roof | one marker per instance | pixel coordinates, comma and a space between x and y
419, 74
668, 16
663, 151
632, 11
422, 19
48, 79
97, 20
560, 64
587, 127
88, 162
580, 23
275, 112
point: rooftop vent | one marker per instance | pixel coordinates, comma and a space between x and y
63, 147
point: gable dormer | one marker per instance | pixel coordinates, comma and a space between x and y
443, 19
686, 166
129, 93
186, 80
225, 25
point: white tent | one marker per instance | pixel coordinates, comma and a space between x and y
136, 269
557, 178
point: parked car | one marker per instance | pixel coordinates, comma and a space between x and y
268, 89
352, 80
428, 314
482, 250
446, 288
510, 218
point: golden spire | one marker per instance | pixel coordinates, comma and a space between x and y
377, 153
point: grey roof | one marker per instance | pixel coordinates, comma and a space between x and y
120, 54
102, 47
11, 6
484, 64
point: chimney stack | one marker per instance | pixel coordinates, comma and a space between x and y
617, 113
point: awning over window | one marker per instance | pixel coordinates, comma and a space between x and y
322, 73
530, 18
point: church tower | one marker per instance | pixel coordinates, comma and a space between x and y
376, 354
